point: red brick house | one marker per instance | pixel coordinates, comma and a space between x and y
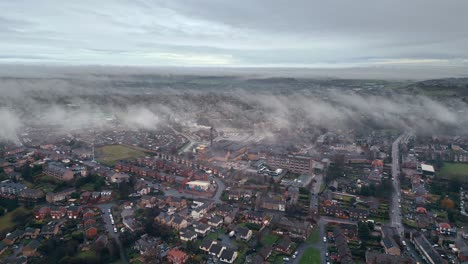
73, 212
91, 231
57, 212
42, 213
177, 256
88, 213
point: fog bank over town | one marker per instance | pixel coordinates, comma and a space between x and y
76, 98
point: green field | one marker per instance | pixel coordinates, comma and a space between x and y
454, 171
314, 237
311, 256
111, 154
6, 221
269, 239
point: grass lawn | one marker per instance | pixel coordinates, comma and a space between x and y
6, 221
269, 239
311, 256
111, 154
454, 171
314, 237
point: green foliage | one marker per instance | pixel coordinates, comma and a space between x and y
9, 204
363, 231
27, 172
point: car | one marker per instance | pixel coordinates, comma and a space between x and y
115, 229
295, 253
285, 259
403, 242
293, 256
326, 254
324, 239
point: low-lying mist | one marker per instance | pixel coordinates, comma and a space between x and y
87, 101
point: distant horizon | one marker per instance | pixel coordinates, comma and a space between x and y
401, 73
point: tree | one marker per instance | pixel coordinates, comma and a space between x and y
26, 172
363, 231
447, 203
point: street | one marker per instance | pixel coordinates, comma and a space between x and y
110, 228
395, 213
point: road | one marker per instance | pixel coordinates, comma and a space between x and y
314, 192
395, 213
320, 245
110, 228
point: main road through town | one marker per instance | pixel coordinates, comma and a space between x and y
395, 213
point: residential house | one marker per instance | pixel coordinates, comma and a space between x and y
42, 213
342, 247
358, 214
177, 256
91, 231
14, 236
32, 233
273, 204
8, 187
206, 244
30, 195
201, 229
30, 250
254, 217
244, 233
215, 221
390, 246
176, 202
446, 229
73, 212
59, 196
57, 212
187, 235
380, 258
88, 213
146, 243
148, 201
265, 252
164, 218
119, 177
51, 229
334, 210
216, 250
293, 228
179, 222
199, 212
228, 256
285, 245
58, 171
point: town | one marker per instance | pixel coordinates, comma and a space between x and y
211, 196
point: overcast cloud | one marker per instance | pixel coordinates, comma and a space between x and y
300, 33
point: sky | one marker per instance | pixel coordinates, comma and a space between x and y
226, 33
